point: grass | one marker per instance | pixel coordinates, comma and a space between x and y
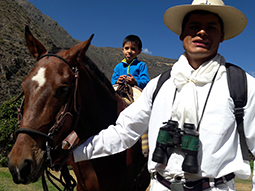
6, 183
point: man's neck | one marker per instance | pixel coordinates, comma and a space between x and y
196, 62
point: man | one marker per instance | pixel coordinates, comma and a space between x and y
196, 96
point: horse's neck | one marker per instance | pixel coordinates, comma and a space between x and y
99, 107
122, 104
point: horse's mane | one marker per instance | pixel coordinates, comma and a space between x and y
98, 73
87, 62
56, 49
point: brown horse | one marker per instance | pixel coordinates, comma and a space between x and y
65, 92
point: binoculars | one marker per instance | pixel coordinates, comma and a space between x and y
170, 136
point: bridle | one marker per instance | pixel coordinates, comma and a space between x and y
67, 119
70, 111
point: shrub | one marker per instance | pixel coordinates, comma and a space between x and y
251, 164
8, 125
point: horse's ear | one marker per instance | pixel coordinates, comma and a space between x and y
34, 46
82, 53
79, 50
87, 43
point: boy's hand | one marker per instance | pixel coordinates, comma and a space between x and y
131, 80
121, 79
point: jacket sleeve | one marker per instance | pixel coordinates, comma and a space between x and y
131, 124
249, 120
116, 74
143, 76
249, 117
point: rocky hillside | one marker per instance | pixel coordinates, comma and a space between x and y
16, 61
58, 35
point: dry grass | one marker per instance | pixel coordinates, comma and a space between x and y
244, 185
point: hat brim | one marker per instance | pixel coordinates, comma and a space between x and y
234, 20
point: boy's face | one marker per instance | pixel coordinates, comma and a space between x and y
130, 51
201, 36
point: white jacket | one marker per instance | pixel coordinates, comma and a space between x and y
219, 152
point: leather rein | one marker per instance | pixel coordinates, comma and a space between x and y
67, 120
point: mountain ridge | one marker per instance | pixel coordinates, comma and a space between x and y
16, 61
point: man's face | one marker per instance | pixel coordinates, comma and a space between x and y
201, 37
130, 51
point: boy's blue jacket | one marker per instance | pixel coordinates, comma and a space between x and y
137, 69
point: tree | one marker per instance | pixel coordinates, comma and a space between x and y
8, 125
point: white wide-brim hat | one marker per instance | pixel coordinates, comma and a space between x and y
234, 20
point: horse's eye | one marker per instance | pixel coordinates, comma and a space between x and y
62, 90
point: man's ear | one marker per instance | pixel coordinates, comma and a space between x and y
222, 36
181, 37
139, 52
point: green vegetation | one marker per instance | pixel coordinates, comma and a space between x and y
8, 125
252, 161
6, 183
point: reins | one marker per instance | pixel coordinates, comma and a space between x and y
65, 179
126, 92
67, 119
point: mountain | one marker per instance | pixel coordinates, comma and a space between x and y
16, 61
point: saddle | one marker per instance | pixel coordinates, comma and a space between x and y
128, 93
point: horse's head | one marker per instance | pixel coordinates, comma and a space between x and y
47, 89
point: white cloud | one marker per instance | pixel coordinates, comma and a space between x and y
146, 51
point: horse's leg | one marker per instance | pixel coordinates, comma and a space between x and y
86, 176
138, 167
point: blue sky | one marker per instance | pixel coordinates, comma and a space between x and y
112, 20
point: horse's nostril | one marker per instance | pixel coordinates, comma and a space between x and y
25, 169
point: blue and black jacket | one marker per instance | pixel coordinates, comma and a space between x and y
136, 68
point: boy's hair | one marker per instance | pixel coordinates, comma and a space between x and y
201, 12
133, 38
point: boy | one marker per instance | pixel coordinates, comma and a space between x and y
131, 70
